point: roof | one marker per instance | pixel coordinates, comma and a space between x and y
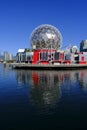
21, 50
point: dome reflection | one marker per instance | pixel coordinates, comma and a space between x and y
83, 80
47, 90
46, 87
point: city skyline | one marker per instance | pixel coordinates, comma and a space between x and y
18, 18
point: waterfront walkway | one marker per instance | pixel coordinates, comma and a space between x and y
48, 66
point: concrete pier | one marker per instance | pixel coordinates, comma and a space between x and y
48, 66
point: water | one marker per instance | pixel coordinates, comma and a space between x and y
33, 100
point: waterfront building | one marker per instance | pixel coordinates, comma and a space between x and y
24, 55
46, 37
74, 49
83, 46
46, 42
19, 55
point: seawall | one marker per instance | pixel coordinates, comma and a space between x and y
48, 66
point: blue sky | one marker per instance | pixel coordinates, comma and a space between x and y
18, 18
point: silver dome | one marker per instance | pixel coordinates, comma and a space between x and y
46, 36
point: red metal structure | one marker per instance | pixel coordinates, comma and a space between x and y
46, 56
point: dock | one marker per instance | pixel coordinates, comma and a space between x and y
48, 66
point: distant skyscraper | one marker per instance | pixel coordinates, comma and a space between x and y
10, 57
7, 56
83, 46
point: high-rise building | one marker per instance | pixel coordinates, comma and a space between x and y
7, 56
10, 57
83, 46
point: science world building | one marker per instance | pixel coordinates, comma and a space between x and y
46, 43
46, 37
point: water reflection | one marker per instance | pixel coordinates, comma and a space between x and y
43, 99
46, 87
23, 77
82, 79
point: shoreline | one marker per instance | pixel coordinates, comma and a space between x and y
48, 66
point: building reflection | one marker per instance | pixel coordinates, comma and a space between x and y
46, 87
70, 78
83, 80
73, 79
23, 77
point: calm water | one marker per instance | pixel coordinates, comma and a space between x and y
33, 100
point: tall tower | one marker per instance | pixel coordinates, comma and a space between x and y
6, 56
83, 46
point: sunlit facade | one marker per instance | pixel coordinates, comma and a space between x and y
46, 43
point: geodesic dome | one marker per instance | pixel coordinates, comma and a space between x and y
46, 36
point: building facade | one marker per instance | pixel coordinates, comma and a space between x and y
46, 41
83, 46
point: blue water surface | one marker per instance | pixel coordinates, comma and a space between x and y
33, 100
